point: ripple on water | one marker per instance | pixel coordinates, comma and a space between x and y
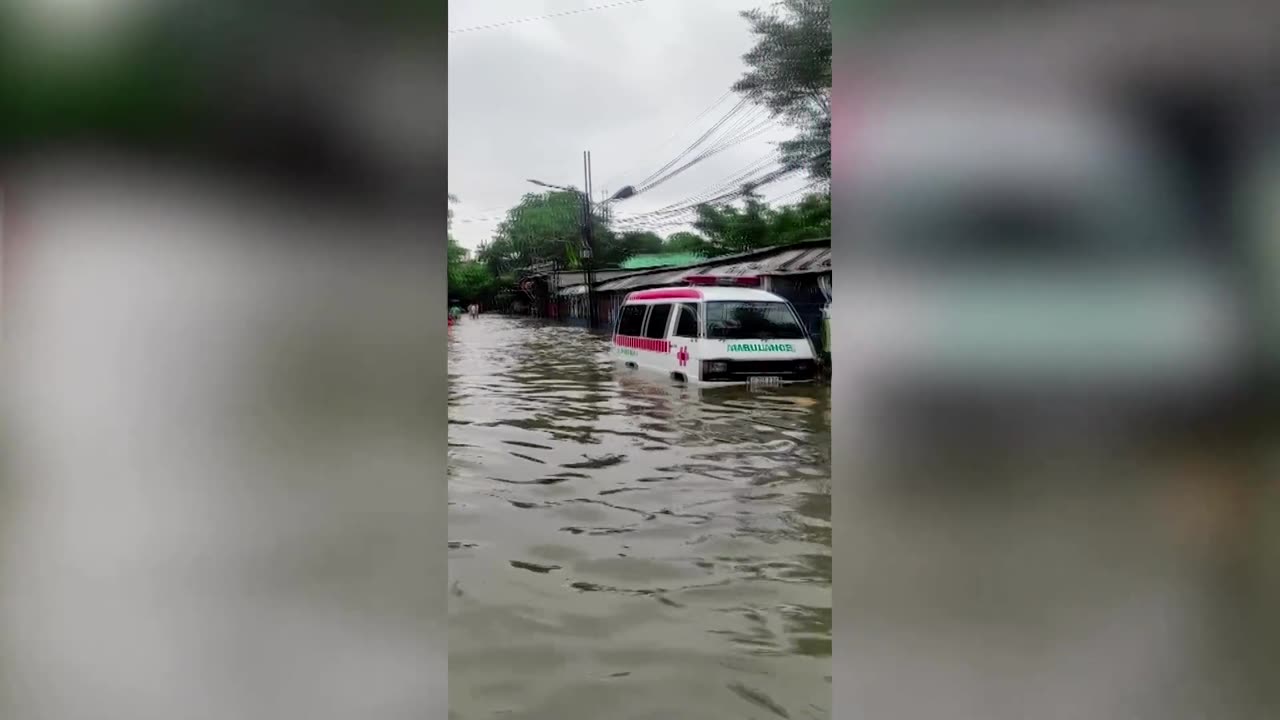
622, 547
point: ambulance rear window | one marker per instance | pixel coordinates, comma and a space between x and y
656, 327
631, 320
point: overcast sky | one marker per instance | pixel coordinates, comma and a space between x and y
526, 99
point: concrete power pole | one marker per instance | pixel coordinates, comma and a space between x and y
588, 243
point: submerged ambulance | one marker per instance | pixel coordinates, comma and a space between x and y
715, 331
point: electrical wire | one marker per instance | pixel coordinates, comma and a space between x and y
734, 130
737, 186
761, 172
720, 100
733, 111
753, 174
745, 128
807, 188
731, 130
549, 16
685, 213
739, 124
734, 179
494, 214
743, 136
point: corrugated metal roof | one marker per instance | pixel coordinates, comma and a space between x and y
786, 263
808, 258
631, 282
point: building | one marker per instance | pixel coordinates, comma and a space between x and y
799, 272
559, 294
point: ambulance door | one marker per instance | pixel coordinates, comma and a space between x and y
656, 347
684, 340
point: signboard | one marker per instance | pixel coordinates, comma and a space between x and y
762, 347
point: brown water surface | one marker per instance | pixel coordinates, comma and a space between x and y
621, 547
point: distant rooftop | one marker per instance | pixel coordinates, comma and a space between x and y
657, 260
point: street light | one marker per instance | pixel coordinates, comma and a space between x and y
588, 244
622, 194
553, 187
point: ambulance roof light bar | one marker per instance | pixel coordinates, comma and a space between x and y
723, 280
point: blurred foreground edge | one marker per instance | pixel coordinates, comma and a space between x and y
1031, 522
221, 227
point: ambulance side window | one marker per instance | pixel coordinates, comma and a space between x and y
656, 329
687, 321
631, 320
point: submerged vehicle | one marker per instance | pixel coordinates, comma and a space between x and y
714, 331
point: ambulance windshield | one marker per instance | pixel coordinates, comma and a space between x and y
740, 320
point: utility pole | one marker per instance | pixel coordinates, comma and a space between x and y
588, 244
588, 230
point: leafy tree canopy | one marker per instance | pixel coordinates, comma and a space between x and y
730, 229
640, 243
542, 227
685, 242
789, 72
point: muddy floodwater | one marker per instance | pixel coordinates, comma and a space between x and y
621, 547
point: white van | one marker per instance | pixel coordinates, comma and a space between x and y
716, 331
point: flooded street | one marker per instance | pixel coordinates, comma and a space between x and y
624, 548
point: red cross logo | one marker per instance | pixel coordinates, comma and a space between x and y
683, 356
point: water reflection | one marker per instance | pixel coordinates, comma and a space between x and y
625, 547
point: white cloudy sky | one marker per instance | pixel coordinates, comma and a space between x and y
526, 99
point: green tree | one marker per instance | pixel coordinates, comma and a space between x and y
455, 252
472, 282
469, 280
789, 72
543, 227
809, 219
640, 242
685, 242
732, 230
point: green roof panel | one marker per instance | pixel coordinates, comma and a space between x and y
656, 260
